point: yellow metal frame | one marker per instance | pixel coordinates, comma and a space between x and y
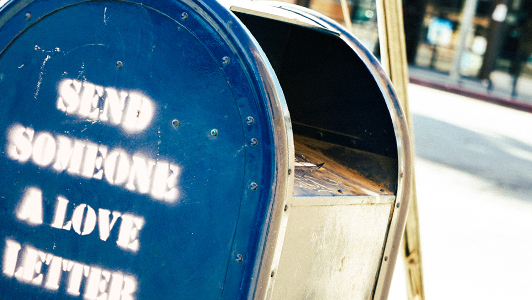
394, 62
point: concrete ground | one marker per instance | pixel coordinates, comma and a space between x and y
474, 188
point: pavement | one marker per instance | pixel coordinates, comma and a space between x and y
500, 92
474, 188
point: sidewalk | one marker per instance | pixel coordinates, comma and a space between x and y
474, 190
500, 93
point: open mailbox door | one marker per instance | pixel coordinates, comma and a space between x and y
342, 225
194, 150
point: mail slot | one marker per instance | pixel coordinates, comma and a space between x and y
194, 150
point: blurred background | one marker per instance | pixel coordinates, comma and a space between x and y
470, 99
482, 45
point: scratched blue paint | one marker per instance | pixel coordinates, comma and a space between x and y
187, 247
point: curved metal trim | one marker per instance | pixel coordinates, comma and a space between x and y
284, 155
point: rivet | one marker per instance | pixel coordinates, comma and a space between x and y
214, 132
184, 16
239, 257
286, 207
272, 273
340, 191
254, 142
175, 123
226, 60
382, 190
253, 186
119, 65
386, 258
289, 171
250, 120
402, 174
397, 205
27, 16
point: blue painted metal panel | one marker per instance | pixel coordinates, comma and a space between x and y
128, 159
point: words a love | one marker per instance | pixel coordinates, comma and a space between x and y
83, 219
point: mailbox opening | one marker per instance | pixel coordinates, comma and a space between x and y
339, 116
348, 144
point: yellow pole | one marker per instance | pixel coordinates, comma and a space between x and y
347, 16
393, 60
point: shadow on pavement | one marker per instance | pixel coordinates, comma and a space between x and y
504, 161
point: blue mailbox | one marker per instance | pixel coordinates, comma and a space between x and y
147, 152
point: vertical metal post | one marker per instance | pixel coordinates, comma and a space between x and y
394, 62
466, 25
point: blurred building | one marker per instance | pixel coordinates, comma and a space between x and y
499, 37
475, 39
